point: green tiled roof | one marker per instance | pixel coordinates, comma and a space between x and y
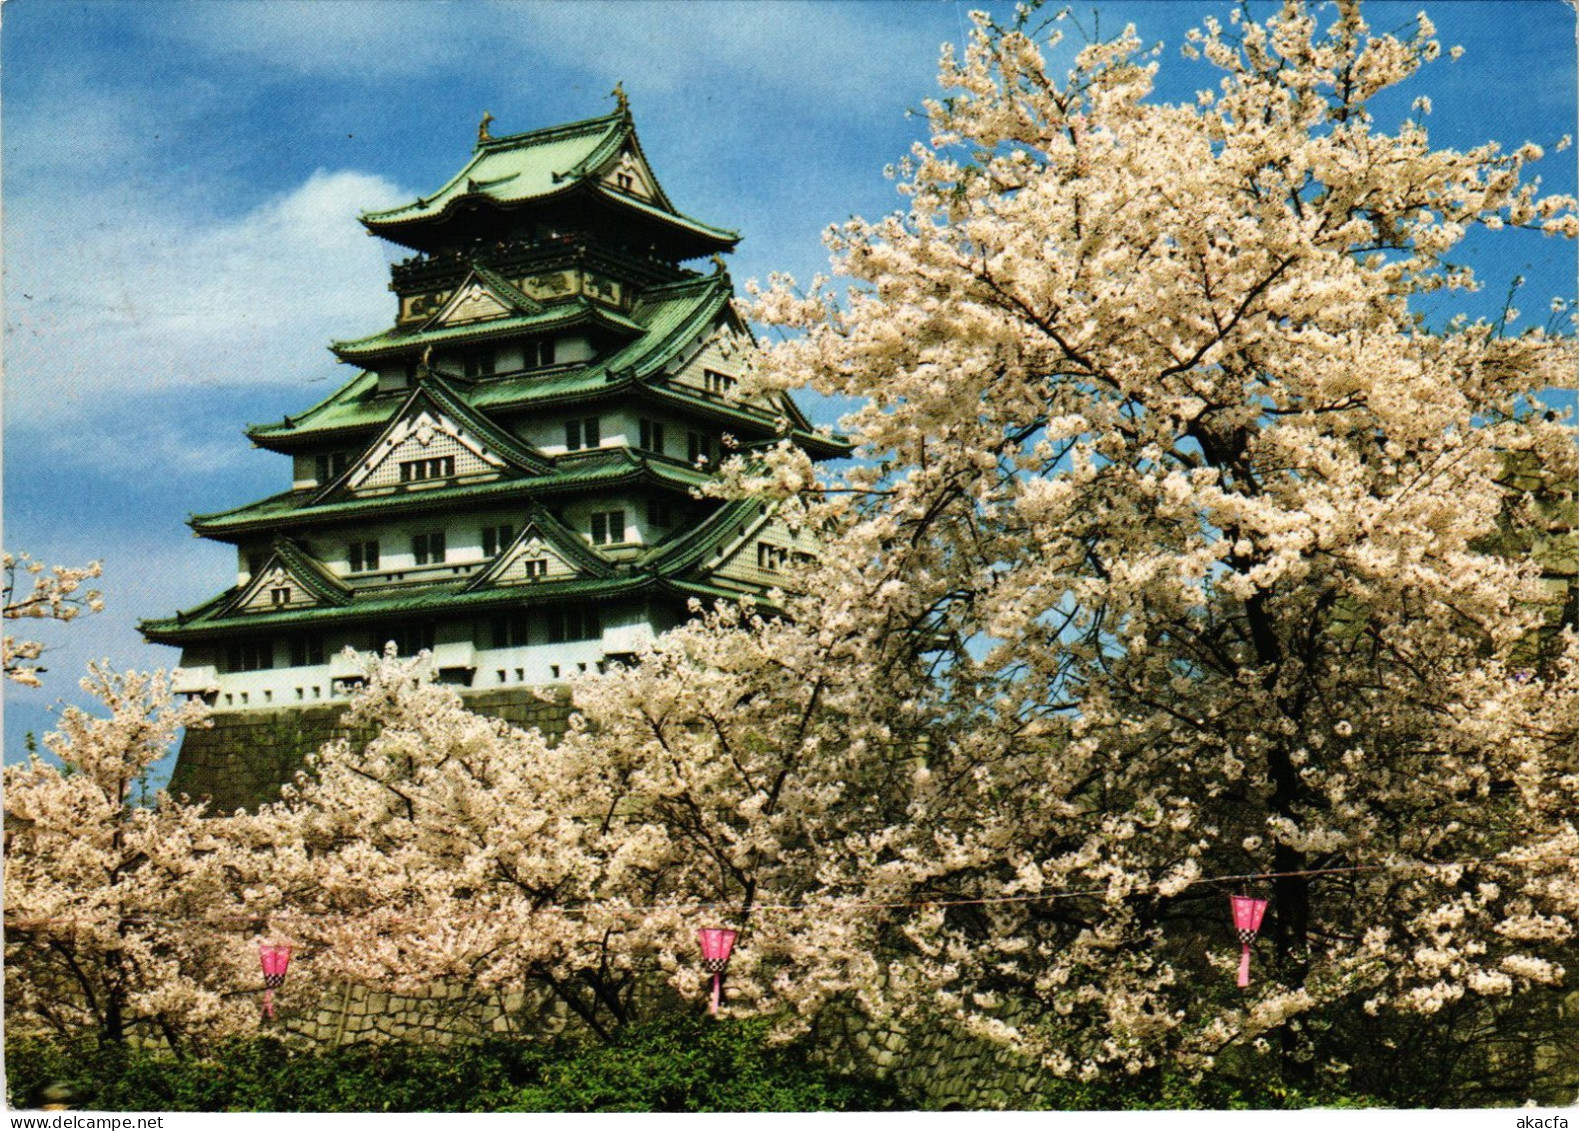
727, 412
516, 167
566, 542
606, 467
403, 339
437, 392
670, 316
211, 619
449, 400
528, 167
695, 544
506, 289
314, 577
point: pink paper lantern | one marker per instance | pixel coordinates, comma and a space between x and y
1247, 922
275, 958
717, 942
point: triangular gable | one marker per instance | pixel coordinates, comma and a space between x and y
735, 341
508, 291
545, 550
704, 541
621, 152
532, 558
629, 174
423, 446
766, 555
713, 363
289, 579
435, 438
483, 297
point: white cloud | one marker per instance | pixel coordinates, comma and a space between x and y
159, 300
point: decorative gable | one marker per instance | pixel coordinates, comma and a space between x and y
765, 557
471, 303
426, 445
289, 580
631, 176
435, 439
533, 560
717, 365
273, 590
545, 550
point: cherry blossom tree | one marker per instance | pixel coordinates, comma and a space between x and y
47, 593
688, 791
1174, 559
121, 919
1196, 519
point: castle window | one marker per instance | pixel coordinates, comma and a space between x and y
495, 539
652, 436
700, 447
331, 465
535, 568
659, 514
281, 595
416, 470
479, 362
408, 639
771, 558
608, 527
584, 433
509, 630
537, 353
363, 556
250, 656
718, 383
428, 549
574, 624
776, 559
306, 650
626, 181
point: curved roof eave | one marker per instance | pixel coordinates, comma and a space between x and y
579, 310
372, 608
597, 130
624, 468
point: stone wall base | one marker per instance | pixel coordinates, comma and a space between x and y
244, 758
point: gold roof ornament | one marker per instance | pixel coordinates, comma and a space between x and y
621, 100
718, 262
482, 128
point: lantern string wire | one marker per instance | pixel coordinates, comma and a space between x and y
822, 905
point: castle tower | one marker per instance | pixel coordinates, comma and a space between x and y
508, 480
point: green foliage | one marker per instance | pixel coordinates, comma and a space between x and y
689, 1063
263, 1074
1175, 1091
675, 1064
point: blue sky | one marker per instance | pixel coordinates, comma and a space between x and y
181, 180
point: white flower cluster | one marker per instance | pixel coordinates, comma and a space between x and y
51, 593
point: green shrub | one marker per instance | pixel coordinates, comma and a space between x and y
688, 1063
1176, 1091
674, 1064
262, 1074
680, 1063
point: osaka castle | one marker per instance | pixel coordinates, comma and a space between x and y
509, 481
